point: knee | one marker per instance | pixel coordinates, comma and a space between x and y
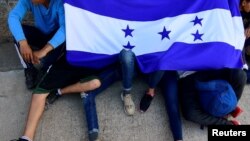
95, 83
89, 85
126, 56
240, 77
37, 98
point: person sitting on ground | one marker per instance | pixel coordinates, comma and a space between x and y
190, 96
61, 79
40, 44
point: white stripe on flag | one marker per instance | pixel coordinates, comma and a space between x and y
89, 32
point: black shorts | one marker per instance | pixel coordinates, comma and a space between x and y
62, 74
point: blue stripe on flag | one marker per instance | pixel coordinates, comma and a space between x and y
180, 56
90, 60
234, 7
192, 57
148, 10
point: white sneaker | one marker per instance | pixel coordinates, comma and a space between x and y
129, 106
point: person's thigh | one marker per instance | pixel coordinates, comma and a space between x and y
35, 37
61, 74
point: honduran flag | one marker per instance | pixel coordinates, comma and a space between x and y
163, 34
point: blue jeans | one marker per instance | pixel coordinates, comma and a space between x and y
128, 68
169, 86
37, 40
154, 78
107, 78
127, 60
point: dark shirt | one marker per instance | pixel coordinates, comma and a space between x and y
246, 19
246, 23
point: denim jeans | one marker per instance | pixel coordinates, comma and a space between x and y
127, 60
107, 78
154, 78
128, 68
37, 40
169, 86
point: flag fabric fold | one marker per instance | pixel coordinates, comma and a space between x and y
164, 35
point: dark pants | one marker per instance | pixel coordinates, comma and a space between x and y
37, 40
170, 91
189, 95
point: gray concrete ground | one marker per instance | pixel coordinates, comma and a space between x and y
65, 120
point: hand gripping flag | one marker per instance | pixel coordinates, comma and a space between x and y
163, 34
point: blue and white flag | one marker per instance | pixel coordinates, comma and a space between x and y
163, 34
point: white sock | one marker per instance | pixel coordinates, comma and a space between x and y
26, 138
59, 91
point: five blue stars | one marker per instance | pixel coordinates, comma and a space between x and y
164, 33
197, 21
128, 31
128, 46
197, 36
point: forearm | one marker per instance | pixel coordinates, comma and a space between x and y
41, 53
23, 42
58, 38
60, 35
46, 49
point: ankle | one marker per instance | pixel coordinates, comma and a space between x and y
93, 136
236, 112
126, 92
26, 138
235, 122
59, 92
150, 92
